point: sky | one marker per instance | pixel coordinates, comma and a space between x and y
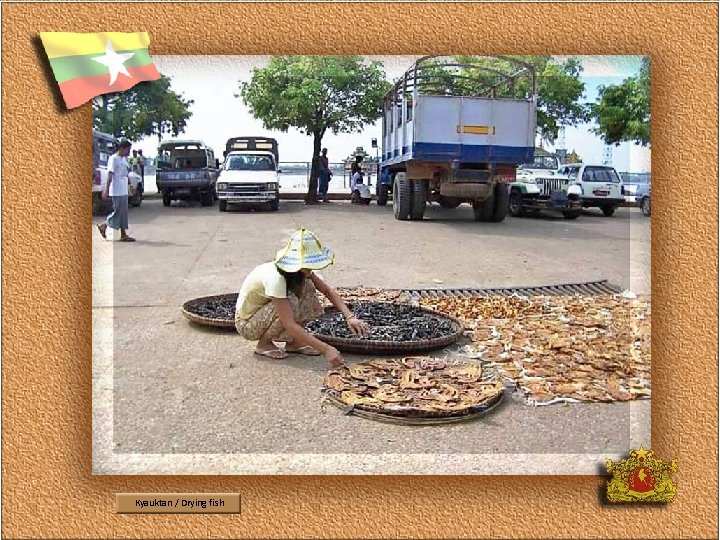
213, 81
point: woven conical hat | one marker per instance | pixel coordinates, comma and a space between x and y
303, 251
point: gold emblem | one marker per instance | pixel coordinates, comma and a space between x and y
641, 478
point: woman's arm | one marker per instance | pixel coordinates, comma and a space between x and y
298, 333
358, 327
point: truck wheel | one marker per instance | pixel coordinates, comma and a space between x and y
274, 205
572, 214
207, 199
645, 206
483, 210
382, 196
402, 197
222, 207
607, 210
449, 203
166, 199
500, 206
515, 208
419, 199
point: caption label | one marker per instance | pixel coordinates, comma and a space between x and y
177, 503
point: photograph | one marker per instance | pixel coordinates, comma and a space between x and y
377, 265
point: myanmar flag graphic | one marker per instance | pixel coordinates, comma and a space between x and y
87, 65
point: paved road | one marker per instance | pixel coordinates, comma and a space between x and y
182, 389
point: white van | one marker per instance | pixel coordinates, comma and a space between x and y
600, 184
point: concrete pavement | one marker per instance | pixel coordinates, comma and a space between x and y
165, 388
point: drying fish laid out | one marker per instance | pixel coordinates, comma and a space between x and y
562, 349
357, 294
219, 310
416, 389
393, 328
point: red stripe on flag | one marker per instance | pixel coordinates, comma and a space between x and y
83, 89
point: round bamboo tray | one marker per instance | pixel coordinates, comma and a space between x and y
189, 310
367, 346
414, 409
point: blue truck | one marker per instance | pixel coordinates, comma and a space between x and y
450, 137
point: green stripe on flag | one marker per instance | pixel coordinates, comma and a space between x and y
72, 67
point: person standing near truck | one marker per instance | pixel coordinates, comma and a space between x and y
325, 174
117, 189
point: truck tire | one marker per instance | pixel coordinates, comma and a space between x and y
572, 214
274, 205
607, 210
207, 199
382, 195
515, 208
222, 206
419, 199
166, 199
500, 205
483, 210
645, 206
449, 204
402, 197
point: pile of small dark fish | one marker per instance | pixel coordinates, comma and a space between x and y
218, 308
388, 322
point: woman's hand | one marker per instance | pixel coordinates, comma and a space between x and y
332, 355
358, 327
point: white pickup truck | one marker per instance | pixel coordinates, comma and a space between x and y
250, 175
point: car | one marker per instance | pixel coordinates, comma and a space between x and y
135, 189
642, 198
187, 171
538, 186
250, 175
631, 183
600, 184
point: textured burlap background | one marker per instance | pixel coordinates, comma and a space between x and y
48, 490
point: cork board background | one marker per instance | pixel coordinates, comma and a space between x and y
48, 489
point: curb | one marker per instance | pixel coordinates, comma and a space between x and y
331, 196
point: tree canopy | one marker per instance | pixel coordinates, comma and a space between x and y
149, 108
622, 111
316, 94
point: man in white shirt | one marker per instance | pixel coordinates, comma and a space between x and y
117, 189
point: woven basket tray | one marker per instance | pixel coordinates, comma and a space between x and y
366, 346
188, 311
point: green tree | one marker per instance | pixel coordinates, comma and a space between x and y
149, 108
622, 111
316, 94
559, 87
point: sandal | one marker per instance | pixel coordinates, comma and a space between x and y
275, 354
306, 350
102, 229
127, 239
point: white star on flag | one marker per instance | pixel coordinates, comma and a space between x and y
114, 61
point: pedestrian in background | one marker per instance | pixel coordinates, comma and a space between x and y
325, 174
117, 189
141, 165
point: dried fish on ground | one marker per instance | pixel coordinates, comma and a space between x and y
359, 294
561, 348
